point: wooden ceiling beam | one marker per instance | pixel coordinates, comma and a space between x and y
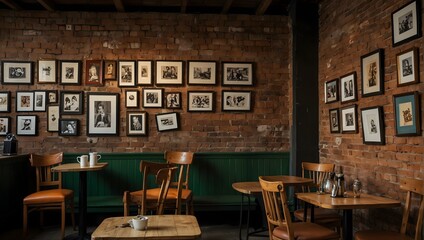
47, 4
184, 4
11, 4
263, 6
226, 6
119, 5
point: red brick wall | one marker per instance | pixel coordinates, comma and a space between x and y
132, 36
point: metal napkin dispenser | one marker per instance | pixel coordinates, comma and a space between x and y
10, 146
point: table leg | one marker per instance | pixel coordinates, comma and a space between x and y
347, 224
241, 215
82, 206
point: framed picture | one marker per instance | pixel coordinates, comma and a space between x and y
334, 120
137, 123
167, 121
24, 101
51, 96
5, 126
236, 100
16, 72
349, 119
5, 101
53, 118
109, 70
372, 68
68, 127
144, 72
103, 114
169, 72
331, 91
408, 71
200, 101
94, 72
70, 72
47, 71
173, 100
201, 72
26, 125
71, 102
126, 73
240, 74
152, 97
348, 91
373, 125
407, 114
131, 98
406, 23
40, 101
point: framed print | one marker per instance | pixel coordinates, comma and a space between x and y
137, 123
173, 100
94, 72
26, 125
372, 68
408, 71
200, 101
334, 120
70, 72
407, 114
47, 71
131, 98
348, 88
144, 72
169, 72
51, 96
5, 125
68, 127
236, 100
406, 23
40, 101
109, 70
373, 125
167, 121
240, 74
103, 114
16, 72
152, 97
24, 101
71, 102
53, 118
331, 91
126, 73
201, 72
5, 101
349, 119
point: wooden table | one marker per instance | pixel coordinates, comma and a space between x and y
82, 205
158, 227
347, 204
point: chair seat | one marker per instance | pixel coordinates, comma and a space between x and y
380, 235
48, 196
185, 194
321, 215
152, 195
306, 231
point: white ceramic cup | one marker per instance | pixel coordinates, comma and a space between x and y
139, 223
94, 158
83, 160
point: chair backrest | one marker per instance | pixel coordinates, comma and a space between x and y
183, 160
45, 178
413, 186
318, 172
163, 179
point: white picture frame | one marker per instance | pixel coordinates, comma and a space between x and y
47, 71
169, 72
145, 72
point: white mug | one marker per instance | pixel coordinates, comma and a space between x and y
83, 160
139, 223
94, 158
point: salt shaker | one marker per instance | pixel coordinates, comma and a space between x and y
357, 188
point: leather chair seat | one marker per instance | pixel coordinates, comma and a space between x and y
305, 230
48, 196
185, 193
380, 235
152, 195
321, 215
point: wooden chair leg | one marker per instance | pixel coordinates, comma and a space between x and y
25, 220
62, 225
72, 215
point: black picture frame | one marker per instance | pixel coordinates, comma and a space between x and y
169, 72
152, 97
5, 125
24, 101
349, 119
132, 98
348, 91
17, 72
40, 101
407, 114
236, 101
70, 72
373, 125
145, 72
173, 100
167, 121
47, 71
408, 67
68, 127
71, 102
53, 116
237, 73
5, 101
127, 73
331, 91
137, 124
201, 72
334, 115
109, 70
372, 69
406, 23
102, 114
27, 125
200, 101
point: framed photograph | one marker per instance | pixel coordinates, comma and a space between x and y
167, 121
173, 100
126, 74
16, 72
26, 125
109, 70
236, 100
94, 72
201, 72
372, 68
334, 120
144, 72
408, 71
137, 123
406, 23
131, 98
169, 72
348, 91
152, 97
240, 74
373, 125
407, 114
331, 91
40, 100
200, 101
47, 71
5, 101
5, 126
349, 119
53, 115
70, 72
71, 102
68, 127
52, 96
24, 101
103, 114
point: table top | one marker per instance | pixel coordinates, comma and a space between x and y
158, 227
75, 167
255, 187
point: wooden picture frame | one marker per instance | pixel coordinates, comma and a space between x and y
47, 71
71, 102
132, 98
236, 101
40, 101
334, 120
349, 119
173, 100
126, 73
237, 73
68, 127
348, 91
70, 72
145, 72
24, 101
17, 72
406, 23
373, 125
5, 101
137, 123
5, 125
167, 121
52, 96
109, 70
407, 114
201, 72
103, 114
53, 115
169, 72
152, 97
408, 68
200, 101
331, 91
372, 68
26, 125
93, 73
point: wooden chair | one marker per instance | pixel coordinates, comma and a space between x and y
54, 197
280, 225
412, 186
